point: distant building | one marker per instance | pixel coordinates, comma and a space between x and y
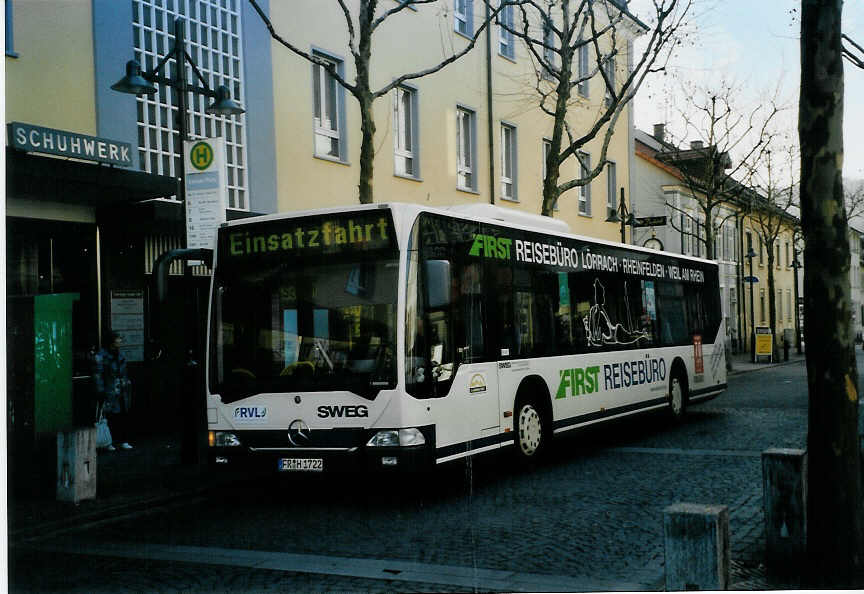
660, 189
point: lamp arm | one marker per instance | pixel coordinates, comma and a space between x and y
162, 80
152, 75
197, 72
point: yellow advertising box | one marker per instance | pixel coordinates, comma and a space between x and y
764, 342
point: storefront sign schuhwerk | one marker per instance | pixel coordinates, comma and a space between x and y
36, 139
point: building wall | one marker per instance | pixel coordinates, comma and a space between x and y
51, 81
784, 275
424, 37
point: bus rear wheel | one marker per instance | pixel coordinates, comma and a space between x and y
531, 431
677, 397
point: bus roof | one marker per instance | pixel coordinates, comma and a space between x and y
481, 212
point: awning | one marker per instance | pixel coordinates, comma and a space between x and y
34, 177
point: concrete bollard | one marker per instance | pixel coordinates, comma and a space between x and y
697, 546
784, 497
76, 464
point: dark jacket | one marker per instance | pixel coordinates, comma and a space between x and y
111, 381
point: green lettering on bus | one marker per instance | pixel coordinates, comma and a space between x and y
488, 246
578, 381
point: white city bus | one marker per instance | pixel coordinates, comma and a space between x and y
397, 336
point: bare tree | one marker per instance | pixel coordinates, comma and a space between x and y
770, 209
361, 24
571, 42
721, 130
834, 513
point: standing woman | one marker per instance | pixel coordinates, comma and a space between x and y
113, 389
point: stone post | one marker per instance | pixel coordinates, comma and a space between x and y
76, 464
697, 546
784, 496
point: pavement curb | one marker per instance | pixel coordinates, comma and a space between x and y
763, 367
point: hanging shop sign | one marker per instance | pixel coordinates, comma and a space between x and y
657, 221
206, 190
36, 139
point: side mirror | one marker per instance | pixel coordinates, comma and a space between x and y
437, 283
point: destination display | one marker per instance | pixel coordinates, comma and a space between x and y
333, 234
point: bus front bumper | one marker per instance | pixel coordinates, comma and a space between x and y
286, 459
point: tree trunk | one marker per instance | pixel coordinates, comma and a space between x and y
834, 481
367, 150
551, 191
363, 94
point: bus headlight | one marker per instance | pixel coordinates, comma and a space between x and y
397, 437
222, 439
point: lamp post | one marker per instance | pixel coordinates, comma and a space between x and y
136, 82
795, 266
750, 255
625, 217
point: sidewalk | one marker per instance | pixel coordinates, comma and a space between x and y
741, 362
149, 475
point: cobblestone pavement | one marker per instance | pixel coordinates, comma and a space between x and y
591, 514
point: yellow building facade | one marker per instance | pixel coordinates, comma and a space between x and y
783, 294
412, 40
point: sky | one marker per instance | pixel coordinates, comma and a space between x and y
754, 43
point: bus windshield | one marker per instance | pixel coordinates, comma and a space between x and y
312, 319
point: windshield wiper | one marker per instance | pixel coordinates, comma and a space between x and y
319, 344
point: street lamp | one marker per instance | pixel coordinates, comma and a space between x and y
136, 82
750, 255
625, 217
795, 266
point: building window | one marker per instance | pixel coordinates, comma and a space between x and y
584, 190
506, 47
405, 132
466, 148
463, 15
789, 304
215, 43
761, 252
779, 304
777, 263
508, 162
548, 52
749, 237
609, 67
788, 259
761, 305
611, 187
582, 57
10, 41
329, 99
686, 234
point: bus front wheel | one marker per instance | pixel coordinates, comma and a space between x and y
677, 397
530, 429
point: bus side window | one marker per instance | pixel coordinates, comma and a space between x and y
672, 314
499, 294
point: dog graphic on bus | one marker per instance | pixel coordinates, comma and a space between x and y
599, 329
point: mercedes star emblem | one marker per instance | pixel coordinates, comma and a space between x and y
298, 433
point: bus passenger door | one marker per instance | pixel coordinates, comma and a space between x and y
476, 382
